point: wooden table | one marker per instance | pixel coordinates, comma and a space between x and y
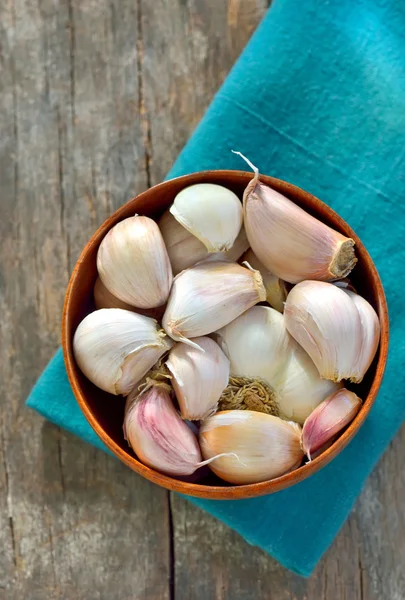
97, 98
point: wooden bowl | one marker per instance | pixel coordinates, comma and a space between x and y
105, 412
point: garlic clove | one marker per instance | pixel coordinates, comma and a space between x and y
198, 378
289, 242
209, 295
276, 291
158, 436
211, 212
330, 417
370, 337
115, 348
103, 298
255, 446
326, 323
261, 351
185, 250
133, 264
346, 284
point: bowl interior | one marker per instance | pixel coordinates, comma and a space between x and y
105, 412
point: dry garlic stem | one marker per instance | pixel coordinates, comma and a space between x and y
255, 446
208, 296
276, 291
185, 250
338, 329
198, 378
133, 264
212, 213
115, 348
330, 417
289, 242
260, 349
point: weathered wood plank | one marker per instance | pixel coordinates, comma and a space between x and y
74, 522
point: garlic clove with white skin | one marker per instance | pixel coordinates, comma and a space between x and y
329, 417
211, 212
115, 348
371, 331
260, 348
185, 250
198, 378
326, 322
289, 242
255, 446
103, 298
209, 295
133, 264
276, 290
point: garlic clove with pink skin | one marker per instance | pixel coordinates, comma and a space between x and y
276, 290
209, 295
158, 436
255, 446
289, 242
211, 212
198, 378
133, 264
115, 348
185, 250
328, 418
326, 323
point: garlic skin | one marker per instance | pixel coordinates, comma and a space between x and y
330, 417
371, 331
185, 250
209, 295
211, 212
158, 436
198, 378
325, 321
103, 298
133, 264
256, 446
276, 291
115, 348
289, 242
258, 346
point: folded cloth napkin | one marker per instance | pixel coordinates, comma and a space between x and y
318, 99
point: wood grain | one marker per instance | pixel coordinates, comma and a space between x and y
78, 138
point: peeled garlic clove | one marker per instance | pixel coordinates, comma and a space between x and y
326, 323
208, 296
198, 378
211, 212
133, 264
158, 436
276, 291
185, 250
259, 347
330, 417
289, 242
115, 348
370, 337
256, 446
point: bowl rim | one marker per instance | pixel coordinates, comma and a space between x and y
228, 492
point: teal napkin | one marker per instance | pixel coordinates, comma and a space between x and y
317, 98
